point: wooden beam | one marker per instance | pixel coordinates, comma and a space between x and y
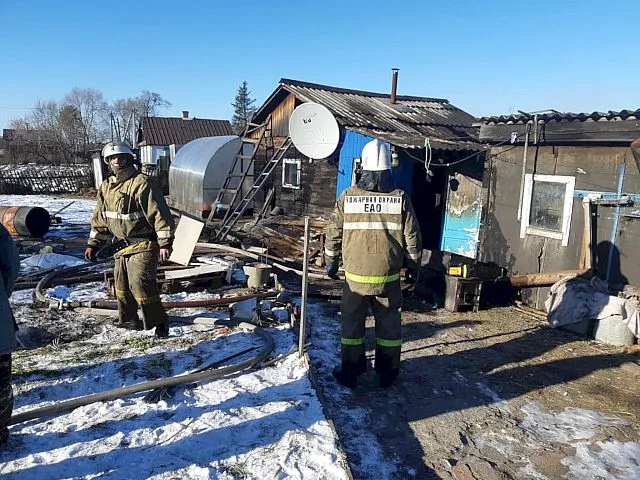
569, 132
543, 279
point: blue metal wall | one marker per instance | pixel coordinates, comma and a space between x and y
352, 146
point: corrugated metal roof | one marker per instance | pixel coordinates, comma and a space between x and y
406, 123
169, 130
553, 116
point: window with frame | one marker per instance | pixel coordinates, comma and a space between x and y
291, 173
547, 205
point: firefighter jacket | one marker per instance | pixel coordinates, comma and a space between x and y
374, 233
131, 208
9, 269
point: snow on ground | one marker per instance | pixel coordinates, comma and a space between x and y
265, 423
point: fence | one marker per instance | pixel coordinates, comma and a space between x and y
34, 179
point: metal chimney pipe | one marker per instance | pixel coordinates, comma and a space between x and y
394, 85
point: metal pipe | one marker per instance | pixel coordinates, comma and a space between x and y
305, 281
25, 221
524, 168
614, 227
394, 85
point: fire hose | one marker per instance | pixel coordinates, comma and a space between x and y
167, 382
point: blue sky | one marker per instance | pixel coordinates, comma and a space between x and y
487, 58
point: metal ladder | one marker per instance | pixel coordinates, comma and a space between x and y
260, 180
229, 192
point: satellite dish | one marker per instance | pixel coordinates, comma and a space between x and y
314, 130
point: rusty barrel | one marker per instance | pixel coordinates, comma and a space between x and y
25, 221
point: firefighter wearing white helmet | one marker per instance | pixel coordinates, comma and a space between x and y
112, 149
374, 230
132, 211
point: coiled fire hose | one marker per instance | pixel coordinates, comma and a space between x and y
115, 393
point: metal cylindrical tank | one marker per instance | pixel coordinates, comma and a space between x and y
199, 170
25, 221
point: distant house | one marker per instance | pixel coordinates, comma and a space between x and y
547, 173
162, 136
407, 124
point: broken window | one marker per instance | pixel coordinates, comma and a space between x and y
291, 173
547, 206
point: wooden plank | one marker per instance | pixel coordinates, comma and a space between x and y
186, 236
194, 272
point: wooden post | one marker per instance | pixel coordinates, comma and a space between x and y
305, 281
586, 252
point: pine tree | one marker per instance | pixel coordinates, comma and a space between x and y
243, 108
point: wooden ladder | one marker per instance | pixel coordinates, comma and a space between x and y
259, 181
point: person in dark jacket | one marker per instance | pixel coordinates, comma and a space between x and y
133, 210
9, 268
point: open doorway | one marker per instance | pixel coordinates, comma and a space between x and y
428, 198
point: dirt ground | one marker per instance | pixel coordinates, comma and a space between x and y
488, 395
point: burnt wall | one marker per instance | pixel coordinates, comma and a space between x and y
595, 168
317, 192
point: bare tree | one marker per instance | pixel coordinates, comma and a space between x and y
93, 111
127, 112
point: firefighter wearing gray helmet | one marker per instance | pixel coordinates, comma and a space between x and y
134, 211
374, 229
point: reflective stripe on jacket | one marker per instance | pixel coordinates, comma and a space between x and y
129, 206
374, 233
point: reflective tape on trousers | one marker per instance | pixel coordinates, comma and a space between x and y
388, 343
372, 278
352, 341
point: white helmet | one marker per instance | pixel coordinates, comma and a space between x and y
376, 156
115, 148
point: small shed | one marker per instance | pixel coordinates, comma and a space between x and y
560, 192
199, 170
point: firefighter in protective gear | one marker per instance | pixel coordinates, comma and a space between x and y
133, 210
9, 268
374, 229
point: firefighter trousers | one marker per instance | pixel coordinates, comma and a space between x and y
386, 308
136, 284
6, 396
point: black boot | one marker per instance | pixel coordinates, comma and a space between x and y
386, 379
134, 324
162, 330
345, 377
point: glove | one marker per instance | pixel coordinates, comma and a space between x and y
332, 271
165, 253
91, 254
411, 275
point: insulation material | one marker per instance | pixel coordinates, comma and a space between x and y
576, 299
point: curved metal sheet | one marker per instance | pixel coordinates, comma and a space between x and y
198, 171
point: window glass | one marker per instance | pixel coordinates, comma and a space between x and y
547, 205
290, 173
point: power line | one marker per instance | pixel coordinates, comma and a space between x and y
17, 108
